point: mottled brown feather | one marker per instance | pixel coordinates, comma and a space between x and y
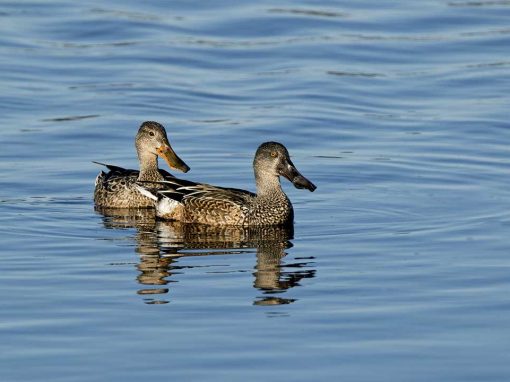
117, 188
192, 202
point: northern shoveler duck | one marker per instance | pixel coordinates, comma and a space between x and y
116, 188
192, 202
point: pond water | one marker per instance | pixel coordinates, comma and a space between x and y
397, 267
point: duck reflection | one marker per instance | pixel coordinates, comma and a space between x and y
160, 244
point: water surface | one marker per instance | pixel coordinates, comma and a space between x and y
397, 266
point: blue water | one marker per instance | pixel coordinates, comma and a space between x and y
398, 266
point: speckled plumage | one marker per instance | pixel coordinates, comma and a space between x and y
117, 188
192, 202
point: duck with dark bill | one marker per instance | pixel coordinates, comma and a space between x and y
193, 202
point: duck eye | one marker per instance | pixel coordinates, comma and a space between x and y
151, 133
274, 154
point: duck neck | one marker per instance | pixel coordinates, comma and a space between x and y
148, 167
268, 185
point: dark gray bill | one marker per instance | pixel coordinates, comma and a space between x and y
299, 181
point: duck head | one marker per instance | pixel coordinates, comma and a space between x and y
151, 139
272, 159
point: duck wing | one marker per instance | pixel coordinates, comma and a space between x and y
116, 174
119, 173
185, 191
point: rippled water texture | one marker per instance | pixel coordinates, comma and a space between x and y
397, 268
